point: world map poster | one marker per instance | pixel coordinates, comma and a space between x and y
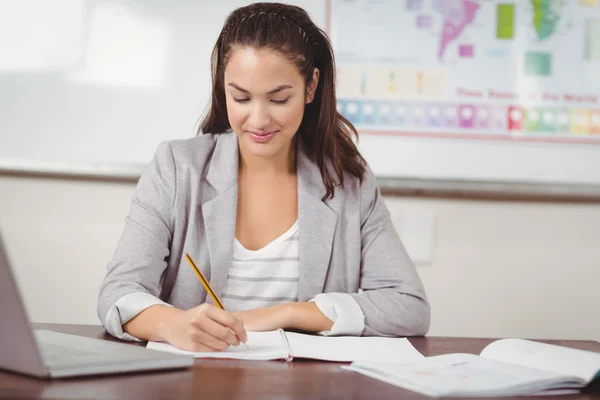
521, 69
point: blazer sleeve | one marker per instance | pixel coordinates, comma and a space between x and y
393, 299
140, 257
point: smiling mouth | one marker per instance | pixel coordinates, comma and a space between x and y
261, 137
262, 134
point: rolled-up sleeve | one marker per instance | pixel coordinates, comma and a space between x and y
343, 310
393, 299
140, 257
125, 309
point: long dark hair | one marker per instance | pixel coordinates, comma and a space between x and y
325, 133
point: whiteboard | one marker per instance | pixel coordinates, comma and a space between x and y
92, 88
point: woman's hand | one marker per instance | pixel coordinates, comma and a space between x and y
202, 328
265, 319
302, 316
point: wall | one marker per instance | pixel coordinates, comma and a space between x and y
499, 268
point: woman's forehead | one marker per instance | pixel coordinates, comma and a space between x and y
260, 66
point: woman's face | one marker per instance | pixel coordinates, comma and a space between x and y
265, 96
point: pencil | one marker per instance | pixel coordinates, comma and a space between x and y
204, 281
206, 285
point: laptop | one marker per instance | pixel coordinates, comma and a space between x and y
49, 354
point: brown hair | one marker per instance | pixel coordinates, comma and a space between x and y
325, 133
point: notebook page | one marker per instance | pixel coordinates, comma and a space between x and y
462, 375
583, 364
350, 348
261, 346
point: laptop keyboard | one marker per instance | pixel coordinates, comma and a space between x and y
62, 350
73, 355
54, 354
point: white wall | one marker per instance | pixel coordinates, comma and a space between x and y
499, 268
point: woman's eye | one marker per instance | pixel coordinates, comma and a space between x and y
241, 100
280, 101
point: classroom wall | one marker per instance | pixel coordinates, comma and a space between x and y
498, 268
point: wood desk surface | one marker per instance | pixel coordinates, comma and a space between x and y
236, 379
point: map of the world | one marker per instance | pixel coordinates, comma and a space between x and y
526, 69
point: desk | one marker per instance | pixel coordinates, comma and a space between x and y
235, 379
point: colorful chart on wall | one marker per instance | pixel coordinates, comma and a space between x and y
524, 70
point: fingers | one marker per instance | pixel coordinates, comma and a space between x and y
199, 348
218, 324
220, 332
202, 329
230, 321
203, 341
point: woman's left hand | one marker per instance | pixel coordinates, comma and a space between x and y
265, 319
304, 316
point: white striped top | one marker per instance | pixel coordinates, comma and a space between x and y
263, 277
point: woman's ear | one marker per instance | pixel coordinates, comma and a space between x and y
312, 87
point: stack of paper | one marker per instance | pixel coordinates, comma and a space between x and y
508, 367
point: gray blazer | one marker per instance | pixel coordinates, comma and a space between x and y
187, 202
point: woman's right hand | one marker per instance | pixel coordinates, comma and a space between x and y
202, 328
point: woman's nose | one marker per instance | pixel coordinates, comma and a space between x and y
259, 117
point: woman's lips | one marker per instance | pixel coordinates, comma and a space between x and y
261, 136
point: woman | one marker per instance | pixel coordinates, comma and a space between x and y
274, 203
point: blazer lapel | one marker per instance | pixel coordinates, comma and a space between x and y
316, 219
317, 227
220, 212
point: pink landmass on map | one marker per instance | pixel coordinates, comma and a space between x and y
457, 15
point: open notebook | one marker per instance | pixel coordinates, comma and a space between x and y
276, 345
507, 367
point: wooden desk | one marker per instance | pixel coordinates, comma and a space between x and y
234, 379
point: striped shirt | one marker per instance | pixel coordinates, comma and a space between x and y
263, 277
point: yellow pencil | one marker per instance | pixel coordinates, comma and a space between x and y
205, 283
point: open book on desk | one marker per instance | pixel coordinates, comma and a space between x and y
507, 367
281, 345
